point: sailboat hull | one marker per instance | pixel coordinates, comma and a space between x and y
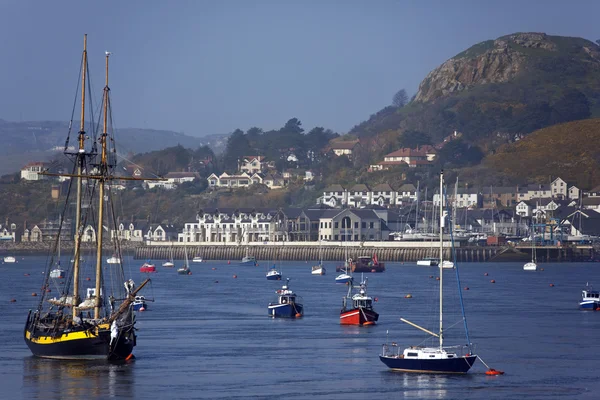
81, 345
458, 365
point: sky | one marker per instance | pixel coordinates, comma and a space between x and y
210, 67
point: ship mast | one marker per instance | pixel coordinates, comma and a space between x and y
103, 177
441, 267
79, 161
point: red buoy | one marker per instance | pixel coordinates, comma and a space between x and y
13, 300
369, 323
298, 315
486, 274
228, 262
467, 288
235, 276
26, 274
552, 285
142, 309
492, 281
34, 294
493, 371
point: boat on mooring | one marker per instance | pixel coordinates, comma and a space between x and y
273, 274
10, 259
366, 264
357, 308
148, 267
139, 304
590, 299
185, 270
433, 359
287, 305
71, 327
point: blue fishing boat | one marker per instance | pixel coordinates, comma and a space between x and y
139, 304
590, 299
287, 305
273, 274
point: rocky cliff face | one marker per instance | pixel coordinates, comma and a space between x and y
497, 61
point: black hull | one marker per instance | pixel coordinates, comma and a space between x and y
80, 344
458, 365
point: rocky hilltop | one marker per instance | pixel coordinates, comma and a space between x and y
502, 60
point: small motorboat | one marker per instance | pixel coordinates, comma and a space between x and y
590, 299
429, 262
248, 260
168, 264
57, 273
273, 274
148, 267
447, 264
357, 309
10, 259
139, 304
287, 305
113, 260
197, 259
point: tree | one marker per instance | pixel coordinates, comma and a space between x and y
412, 139
400, 98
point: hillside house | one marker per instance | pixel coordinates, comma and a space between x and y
31, 172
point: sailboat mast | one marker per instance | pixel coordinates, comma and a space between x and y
79, 161
441, 257
103, 173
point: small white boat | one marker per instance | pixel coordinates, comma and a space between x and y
10, 259
447, 264
429, 262
318, 270
343, 278
57, 273
530, 266
113, 260
197, 259
168, 264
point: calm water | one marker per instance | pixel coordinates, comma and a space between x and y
208, 336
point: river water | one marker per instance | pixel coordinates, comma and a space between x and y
208, 336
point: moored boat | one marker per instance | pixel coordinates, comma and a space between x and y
248, 260
273, 274
185, 270
197, 259
590, 299
433, 359
428, 262
287, 305
318, 270
148, 267
366, 264
10, 259
102, 325
357, 309
113, 260
139, 304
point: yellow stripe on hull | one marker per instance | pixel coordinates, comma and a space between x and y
65, 337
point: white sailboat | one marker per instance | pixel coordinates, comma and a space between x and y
532, 265
169, 263
319, 269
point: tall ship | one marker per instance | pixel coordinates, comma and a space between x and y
91, 318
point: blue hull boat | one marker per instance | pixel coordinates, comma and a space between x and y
459, 365
287, 305
590, 299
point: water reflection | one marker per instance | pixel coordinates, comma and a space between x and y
56, 379
418, 386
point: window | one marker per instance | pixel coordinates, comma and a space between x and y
335, 225
371, 225
335, 237
356, 225
364, 225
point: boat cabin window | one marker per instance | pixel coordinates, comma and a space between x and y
412, 354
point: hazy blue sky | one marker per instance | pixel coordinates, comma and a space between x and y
206, 67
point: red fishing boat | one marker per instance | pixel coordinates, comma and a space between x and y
357, 309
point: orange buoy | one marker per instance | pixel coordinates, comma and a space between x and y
492, 281
486, 274
437, 278
466, 288
13, 300
34, 294
142, 309
298, 315
369, 323
235, 276
408, 296
129, 357
493, 371
552, 285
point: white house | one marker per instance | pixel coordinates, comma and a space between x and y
559, 188
31, 172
